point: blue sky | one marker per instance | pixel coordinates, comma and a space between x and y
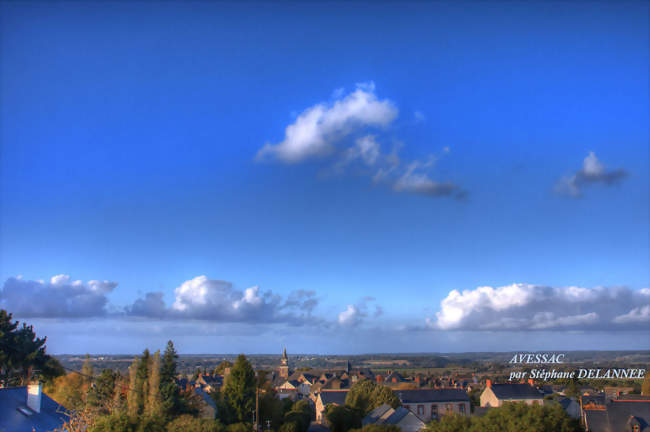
130, 152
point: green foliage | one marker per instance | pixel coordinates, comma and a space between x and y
113, 423
450, 423
221, 367
299, 416
22, 353
367, 395
239, 391
342, 418
239, 427
511, 417
378, 428
186, 423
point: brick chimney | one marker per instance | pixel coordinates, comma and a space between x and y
379, 379
488, 383
34, 392
418, 379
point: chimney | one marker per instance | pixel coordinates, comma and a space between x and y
488, 383
531, 382
394, 379
34, 397
379, 379
418, 379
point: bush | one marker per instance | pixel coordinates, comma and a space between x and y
186, 423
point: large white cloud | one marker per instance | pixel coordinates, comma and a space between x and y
59, 297
592, 172
202, 298
535, 307
319, 128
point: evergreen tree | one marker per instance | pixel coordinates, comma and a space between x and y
169, 392
239, 392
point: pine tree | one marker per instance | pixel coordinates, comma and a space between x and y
239, 392
154, 406
169, 392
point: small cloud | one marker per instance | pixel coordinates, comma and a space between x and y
419, 116
592, 172
354, 314
419, 183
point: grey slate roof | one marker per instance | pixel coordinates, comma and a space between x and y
620, 416
432, 395
333, 396
376, 414
52, 414
516, 391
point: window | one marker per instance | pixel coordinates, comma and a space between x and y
637, 428
434, 411
420, 409
448, 408
461, 408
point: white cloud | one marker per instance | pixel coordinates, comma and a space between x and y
355, 314
534, 307
60, 297
636, 315
420, 183
592, 172
318, 129
207, 299
340, 130
350, 317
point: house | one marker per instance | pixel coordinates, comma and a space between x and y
208, 408
495, 395
429, 404
326, 397
289, 389
27, 408
628, 414
401, 417
209, 383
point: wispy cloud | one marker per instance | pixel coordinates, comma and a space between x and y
351, 132
355, 314
592, 172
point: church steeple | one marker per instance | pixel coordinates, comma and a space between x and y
284, 364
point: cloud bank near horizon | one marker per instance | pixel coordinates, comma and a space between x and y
515, 307
529, 307
350, 131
